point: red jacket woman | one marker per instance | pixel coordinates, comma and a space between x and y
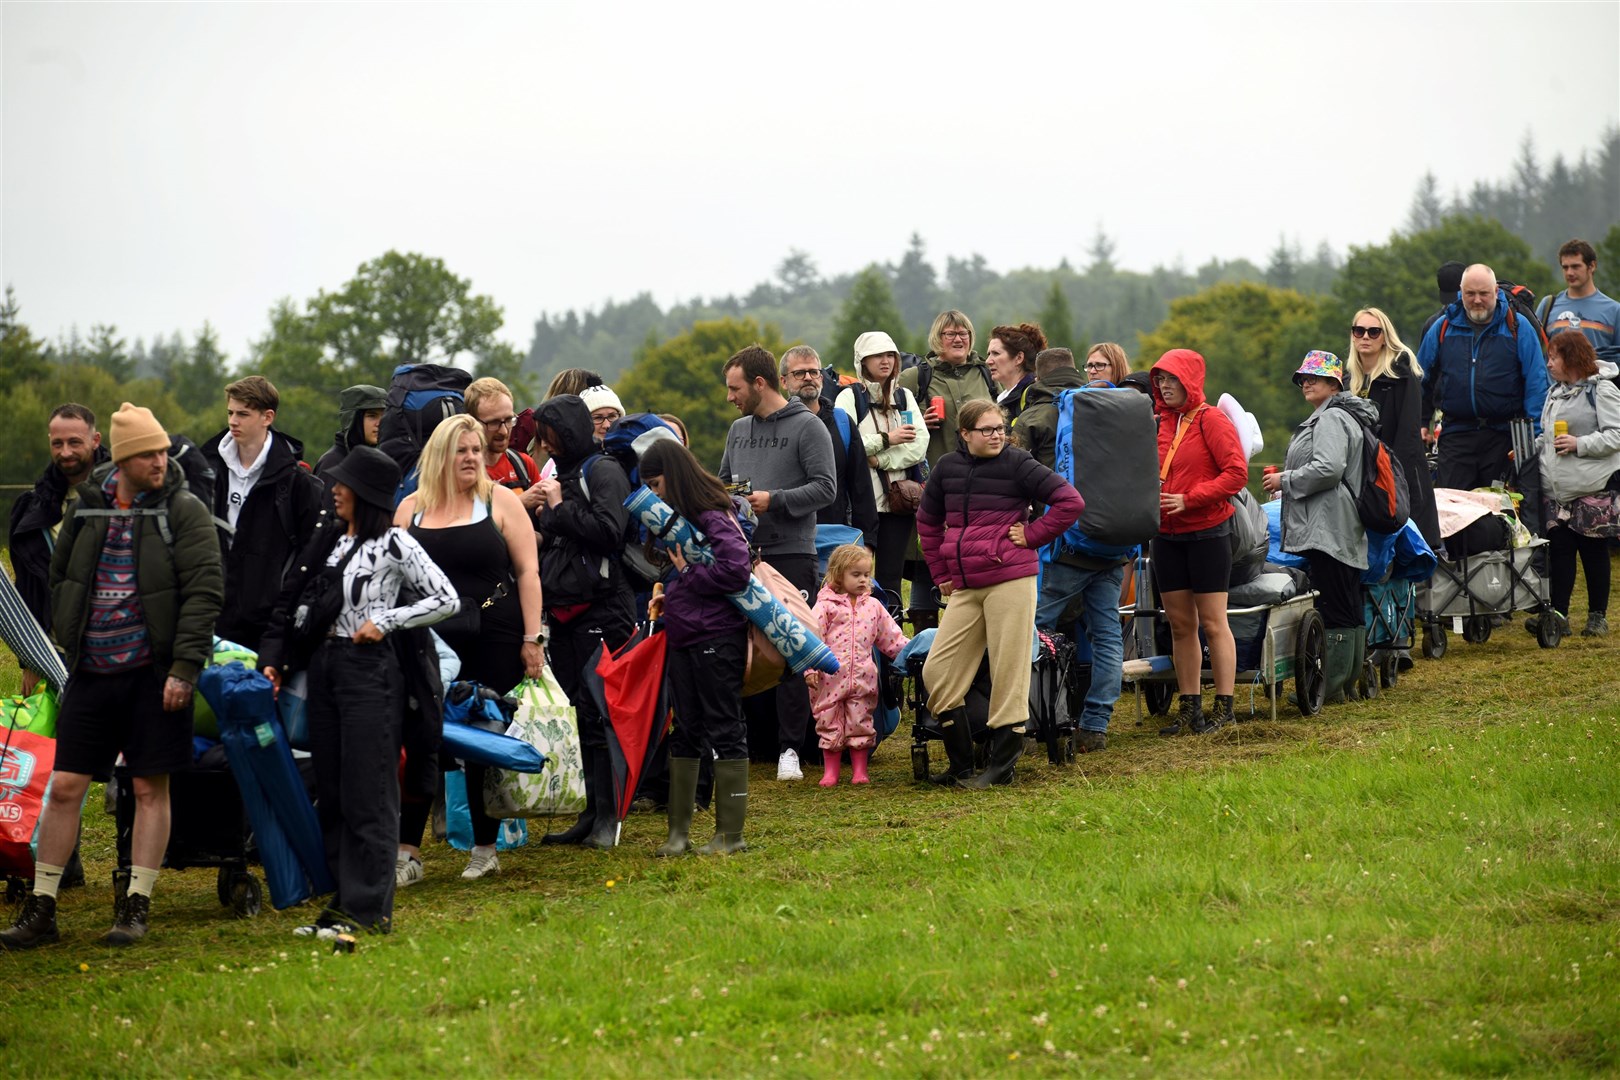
1207, 467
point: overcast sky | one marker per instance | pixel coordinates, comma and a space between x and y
167, 164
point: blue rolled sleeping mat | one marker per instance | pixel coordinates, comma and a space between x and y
285, 828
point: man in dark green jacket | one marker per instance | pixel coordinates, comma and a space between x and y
136, 586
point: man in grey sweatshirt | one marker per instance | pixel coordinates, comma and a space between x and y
784, 453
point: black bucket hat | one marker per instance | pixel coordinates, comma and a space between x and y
371, 474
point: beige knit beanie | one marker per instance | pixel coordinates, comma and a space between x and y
136, 431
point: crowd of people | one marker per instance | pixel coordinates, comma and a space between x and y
516, 549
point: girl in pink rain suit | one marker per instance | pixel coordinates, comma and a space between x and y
852, 623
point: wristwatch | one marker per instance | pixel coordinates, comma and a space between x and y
535, 639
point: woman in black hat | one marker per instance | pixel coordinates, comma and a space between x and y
356, 698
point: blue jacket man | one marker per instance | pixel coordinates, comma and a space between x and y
1482, 367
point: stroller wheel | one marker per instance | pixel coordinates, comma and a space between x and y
245, 895
919, 762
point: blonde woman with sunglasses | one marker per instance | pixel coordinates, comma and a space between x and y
1384, 371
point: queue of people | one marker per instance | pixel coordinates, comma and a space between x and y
517, 550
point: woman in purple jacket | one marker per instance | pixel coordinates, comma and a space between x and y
708, 651
976, 532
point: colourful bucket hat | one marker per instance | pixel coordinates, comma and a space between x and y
1321, 364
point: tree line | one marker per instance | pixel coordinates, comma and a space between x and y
1251, 322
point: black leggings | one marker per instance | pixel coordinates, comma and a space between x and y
893, 540
1563, 545
1338, 591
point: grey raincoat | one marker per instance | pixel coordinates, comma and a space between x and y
1322, 469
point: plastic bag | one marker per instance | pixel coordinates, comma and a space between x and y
458, 819
26, 759
35, 713
545, 720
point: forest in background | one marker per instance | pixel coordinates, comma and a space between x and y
1251, 322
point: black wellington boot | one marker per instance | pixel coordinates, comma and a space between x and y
604, 832
958, 739
580, 829
1006, 746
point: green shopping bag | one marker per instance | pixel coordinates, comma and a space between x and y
544, 720
35, 713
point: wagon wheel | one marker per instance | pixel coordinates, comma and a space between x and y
1310, 643
1477, 629
1158, 696
1549, 632
1434, 642
1389, 670
1368, 683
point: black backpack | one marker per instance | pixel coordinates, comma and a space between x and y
420, 398
1382, 502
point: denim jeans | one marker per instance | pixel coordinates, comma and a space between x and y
1097, 591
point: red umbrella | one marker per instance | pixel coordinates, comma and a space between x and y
629, 689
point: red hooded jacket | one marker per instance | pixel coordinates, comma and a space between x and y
1209, 466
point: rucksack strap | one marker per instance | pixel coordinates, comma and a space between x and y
518, 467
1181, 433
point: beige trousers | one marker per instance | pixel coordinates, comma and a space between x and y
1000, 617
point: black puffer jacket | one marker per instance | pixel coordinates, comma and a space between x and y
582, 537
276, 521
33, 516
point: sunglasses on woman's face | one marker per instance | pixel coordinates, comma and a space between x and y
1367, 331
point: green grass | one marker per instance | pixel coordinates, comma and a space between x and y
1423, 884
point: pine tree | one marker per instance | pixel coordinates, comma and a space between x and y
870, 306
1056, 319
22, 355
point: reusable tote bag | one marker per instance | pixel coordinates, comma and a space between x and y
544, 720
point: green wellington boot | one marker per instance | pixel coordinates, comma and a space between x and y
730, 808
683, 778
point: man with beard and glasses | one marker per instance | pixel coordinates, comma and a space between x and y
780, 453
853, 503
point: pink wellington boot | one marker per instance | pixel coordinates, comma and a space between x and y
857, 762
832, 760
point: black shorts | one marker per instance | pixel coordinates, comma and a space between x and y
1203, 565
105, 715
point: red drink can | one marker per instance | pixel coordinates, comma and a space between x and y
938, 406
1270, 470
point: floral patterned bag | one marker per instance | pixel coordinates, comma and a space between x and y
544, 720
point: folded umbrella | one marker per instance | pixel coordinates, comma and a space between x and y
629, 689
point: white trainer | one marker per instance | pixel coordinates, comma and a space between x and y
482, 864
787, 766
407, 871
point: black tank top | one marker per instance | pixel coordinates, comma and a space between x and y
476, 560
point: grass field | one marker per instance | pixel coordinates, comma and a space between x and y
1425, 884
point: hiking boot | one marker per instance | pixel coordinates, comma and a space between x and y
407, 871
730, 808
1218, 718
35, 926
1596, 626
130, 926
1189, 717
787, 766
1532, 625
482, 864
1089, 742
1006, 747
957, 736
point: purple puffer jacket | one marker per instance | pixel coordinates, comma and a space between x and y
695, 604
970, 503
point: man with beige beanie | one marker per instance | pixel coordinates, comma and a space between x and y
135, 588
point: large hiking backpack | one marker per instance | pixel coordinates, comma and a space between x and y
629, 438
1111, 431
1382, 502
420, 397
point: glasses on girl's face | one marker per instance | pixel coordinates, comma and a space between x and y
989, 432
1101, 365
1366, 331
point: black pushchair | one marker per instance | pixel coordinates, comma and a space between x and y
1051, 689
209, 829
